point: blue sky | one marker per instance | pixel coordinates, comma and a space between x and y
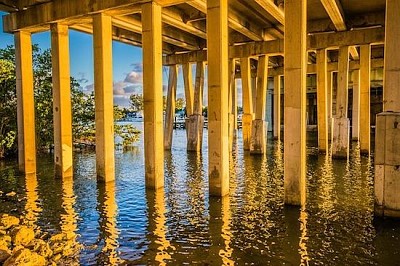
127, 63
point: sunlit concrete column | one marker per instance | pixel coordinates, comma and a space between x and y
247, 102
277, 107
330, 99
365, 102
387, 138
355, 117
195, 122
341, 128
217, 46
187, 82
232, 103
103, 94
170, 112
25, 103
322, 100
254, 91
258, 143
61, 100
153, 95
295, 101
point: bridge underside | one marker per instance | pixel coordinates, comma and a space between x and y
252, 40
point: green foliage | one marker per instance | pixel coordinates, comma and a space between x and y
8, 108
83, 110
127, 132
136, 102
180, 104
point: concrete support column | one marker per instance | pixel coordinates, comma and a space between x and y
217, 46
247, 102
341, 128
365, 102
153, 95
170, 112
355, 123
232, 103
61, 100
322, 101
25, 103
387, 138
330, 100
187, 81
259, 125
103, 94
277, 107
195, 122
295, 101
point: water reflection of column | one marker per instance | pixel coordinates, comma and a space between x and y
32, 209
304, 258
69, 217
220, 232
157, 230
108, 210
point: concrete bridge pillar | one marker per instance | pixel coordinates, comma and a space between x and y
259, 125
170, 112
277, 107
195, 122
188, 85
329, 83
247, 102
387, 138
355, 123
153, 95
103, 94
232, 103
61, 101
365, 104
322, 101
25, 103
341, 128
295, 68
217, 47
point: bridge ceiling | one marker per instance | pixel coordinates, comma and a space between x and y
184, 27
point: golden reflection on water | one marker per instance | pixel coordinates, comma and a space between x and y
69, 217
226, 252
32, 208
304, 257
157, 225
108, 223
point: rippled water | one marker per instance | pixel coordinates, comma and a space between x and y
121, 222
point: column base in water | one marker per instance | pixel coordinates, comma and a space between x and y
258, 137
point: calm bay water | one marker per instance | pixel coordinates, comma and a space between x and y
122, 223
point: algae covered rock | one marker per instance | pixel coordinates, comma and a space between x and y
25, 257
7, 221
22, 235
42, 248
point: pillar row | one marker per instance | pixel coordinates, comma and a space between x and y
217, 46
61, 100
153, 95
355, 123
295, 67
25, 103
232, 103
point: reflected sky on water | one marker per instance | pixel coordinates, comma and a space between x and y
122, 223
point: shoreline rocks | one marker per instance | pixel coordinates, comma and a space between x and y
19, 245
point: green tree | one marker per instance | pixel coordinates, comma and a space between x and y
136, 102
180, 104
8, 108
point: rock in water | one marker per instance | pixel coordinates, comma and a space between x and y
24, 257
22, 236
7, 221
4, 254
